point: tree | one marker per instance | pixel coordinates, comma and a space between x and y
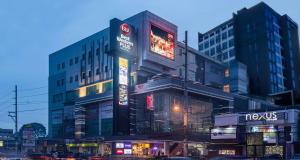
38, 130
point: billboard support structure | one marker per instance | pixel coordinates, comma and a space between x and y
122, 48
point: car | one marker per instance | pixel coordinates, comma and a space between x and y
40, 156
95, 158
179, 158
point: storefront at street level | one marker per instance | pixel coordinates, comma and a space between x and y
257, 134
141, 146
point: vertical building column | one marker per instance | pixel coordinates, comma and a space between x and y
79, 115
166, 148
101, 149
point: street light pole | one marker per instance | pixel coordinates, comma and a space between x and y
185, 115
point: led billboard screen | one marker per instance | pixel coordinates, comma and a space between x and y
162, 42
223, 133
123, 81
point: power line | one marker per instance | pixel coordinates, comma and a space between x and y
32, 89
34, 95
4, 102
32, 102
6, 95
3, 109
32, 110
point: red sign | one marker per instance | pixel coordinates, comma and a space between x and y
125, 28
119, 151
150, 102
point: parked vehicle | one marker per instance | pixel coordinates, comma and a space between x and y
40, 156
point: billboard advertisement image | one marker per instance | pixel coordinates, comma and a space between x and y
123, 81
162, 42
223, 133
269, 132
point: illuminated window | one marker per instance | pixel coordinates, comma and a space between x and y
133, 78
226, 152
226, 88
82, 92
97, 88
270, 150
227, 73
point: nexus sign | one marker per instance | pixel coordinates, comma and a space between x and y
267, 116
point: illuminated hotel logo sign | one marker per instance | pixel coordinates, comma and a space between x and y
267, 116
125, 28
162, 42
123, 81
124, 40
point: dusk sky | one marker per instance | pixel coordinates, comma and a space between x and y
31, 30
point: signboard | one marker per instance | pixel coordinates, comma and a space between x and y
123, 148
125, 42
127, 151
128, 145
223, 133
119, 151
162, 42
28, 137
122, 48
123, 37
119, 145
123, 81
106, 111
268, 131
28, 142
149, 100
226, 152
267, 116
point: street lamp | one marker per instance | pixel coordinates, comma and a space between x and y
176, 108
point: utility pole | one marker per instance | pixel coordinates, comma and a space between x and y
16, 108
14, 116
186, 104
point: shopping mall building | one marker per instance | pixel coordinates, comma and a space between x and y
256, 134
120, 91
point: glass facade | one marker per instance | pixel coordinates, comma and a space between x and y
167, 115
219, 43
57, 122
274, 52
